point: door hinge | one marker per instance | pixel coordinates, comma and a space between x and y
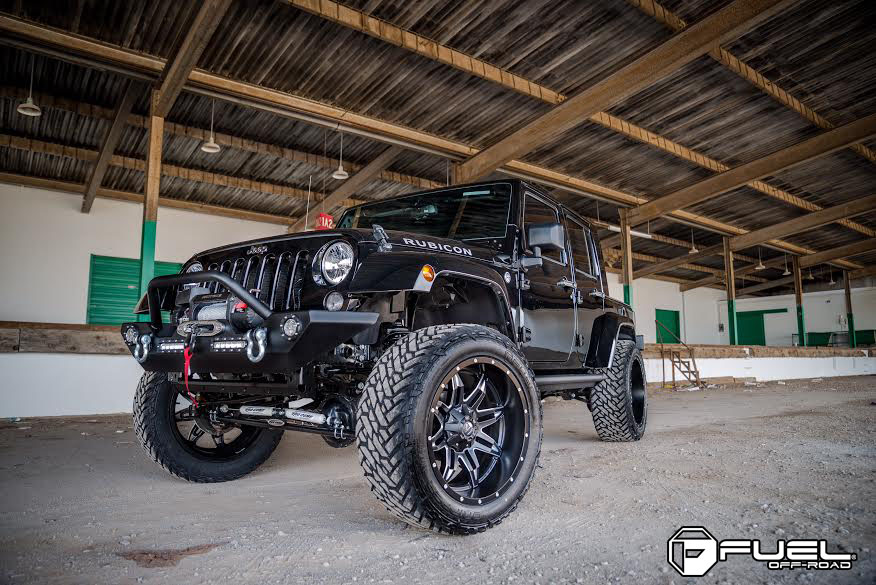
579, 340
524, 284
526, 334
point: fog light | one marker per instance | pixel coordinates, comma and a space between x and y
131, 335
334, 301
291, 326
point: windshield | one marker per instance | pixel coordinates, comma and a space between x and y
472, 213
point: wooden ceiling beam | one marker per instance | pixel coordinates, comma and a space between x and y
291, 105
679, 50
615, 253
350, 186
671, 263
74, 188
864, 272
367, 24
176, 72
406, 39
221, 138
814, 147
167, 170
803, 223
765, 286
748, 73
846, 251
110, 141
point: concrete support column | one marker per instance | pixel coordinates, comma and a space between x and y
155, 135
849, 315
730, 281
798, 296
626, 256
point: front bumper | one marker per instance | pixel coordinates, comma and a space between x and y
229, 352
159, 347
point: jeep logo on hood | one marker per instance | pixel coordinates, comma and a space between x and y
436, 246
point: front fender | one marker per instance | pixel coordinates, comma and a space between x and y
607, 329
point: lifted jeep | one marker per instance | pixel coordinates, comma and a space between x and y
426, 328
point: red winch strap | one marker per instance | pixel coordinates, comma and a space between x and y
187, 356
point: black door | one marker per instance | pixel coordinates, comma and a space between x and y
547, 299
588, 283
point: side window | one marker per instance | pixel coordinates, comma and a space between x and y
594, 256
537, 211
577, 235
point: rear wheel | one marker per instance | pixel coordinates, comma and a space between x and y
449, 428
619, 404
182, 440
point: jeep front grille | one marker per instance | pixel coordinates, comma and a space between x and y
275, 279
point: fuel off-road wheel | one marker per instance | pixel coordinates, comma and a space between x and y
180, 437
449, 428
619, 404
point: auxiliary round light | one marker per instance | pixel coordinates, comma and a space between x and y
334, 301
131, 335
291, 326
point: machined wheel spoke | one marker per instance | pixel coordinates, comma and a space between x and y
490, 420
457, 389
185, 414
478, 394
487, 444
484, 412
451, 464
219, 439
472, 465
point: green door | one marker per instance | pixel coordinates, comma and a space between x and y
113, 288
671, 320
750, 326
750, 329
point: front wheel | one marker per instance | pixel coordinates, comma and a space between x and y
449, 428
619, 404
183, 441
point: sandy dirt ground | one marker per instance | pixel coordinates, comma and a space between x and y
80, 502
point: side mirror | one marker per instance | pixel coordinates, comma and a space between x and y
549, 236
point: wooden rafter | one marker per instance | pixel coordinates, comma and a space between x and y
765, 285
678, 261
846, 251
178, 68
864, 272
167, 170
816, 146
387, 32
350, 186
367, 24
746, 72
221, 138
679, 50
743, 271
110, 141
116, 195
803, 223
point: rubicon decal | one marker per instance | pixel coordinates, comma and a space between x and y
693, 551
426, 244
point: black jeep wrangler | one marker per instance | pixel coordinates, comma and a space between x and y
426, 328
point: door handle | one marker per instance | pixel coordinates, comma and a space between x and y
596, 293
566, 283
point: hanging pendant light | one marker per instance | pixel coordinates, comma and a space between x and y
27, 107
810, 277
210, 146
693, 246
786, 272
760, 265
832, 281
340, 174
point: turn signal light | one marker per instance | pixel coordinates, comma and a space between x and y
428, 273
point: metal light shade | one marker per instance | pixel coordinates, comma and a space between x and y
786, 272
760, 266
211, 147
693, 250
28, 108
340, 174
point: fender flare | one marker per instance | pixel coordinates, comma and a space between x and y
607, 329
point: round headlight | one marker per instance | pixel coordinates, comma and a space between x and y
336, 262
334, 301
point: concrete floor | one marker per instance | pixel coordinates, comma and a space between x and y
80, 502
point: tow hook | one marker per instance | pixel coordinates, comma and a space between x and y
256, 344
141, 350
